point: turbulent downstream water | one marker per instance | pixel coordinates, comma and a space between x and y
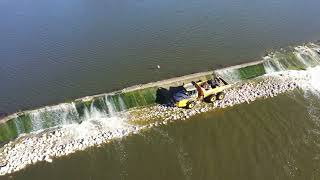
276, 138
58, 50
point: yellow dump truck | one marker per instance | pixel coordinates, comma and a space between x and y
209, 91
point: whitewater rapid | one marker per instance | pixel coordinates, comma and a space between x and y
308, 80
100, 127
70, 132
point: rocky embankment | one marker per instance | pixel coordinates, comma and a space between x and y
56, 143
63, 141
263, 87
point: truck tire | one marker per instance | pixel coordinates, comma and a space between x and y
220, 96
191, 104
212, 98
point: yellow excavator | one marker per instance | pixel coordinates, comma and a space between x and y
209, 91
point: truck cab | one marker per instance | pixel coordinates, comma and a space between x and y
186, 96
209, 91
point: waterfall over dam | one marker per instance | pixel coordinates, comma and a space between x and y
110, 104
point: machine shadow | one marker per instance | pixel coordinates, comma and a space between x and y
164, 95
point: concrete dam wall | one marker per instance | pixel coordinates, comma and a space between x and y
79, 110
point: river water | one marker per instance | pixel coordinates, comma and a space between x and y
59, 50
268, 139
52, 51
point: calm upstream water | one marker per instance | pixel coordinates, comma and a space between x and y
52, 51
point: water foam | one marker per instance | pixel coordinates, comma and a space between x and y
97, 121
308, 80
97, 128
230, 75
97, 125
58, 115
272, 64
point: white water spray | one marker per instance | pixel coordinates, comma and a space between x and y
96, 121
312, 53
122, 104
272, 65
61, 114
313, 83
110, 105
230, 75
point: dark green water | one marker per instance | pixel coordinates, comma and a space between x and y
268, 139
55, 50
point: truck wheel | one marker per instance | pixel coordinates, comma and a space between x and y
220, 95
191, 104
212, 98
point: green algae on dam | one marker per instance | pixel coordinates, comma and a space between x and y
101, 123
297, 58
